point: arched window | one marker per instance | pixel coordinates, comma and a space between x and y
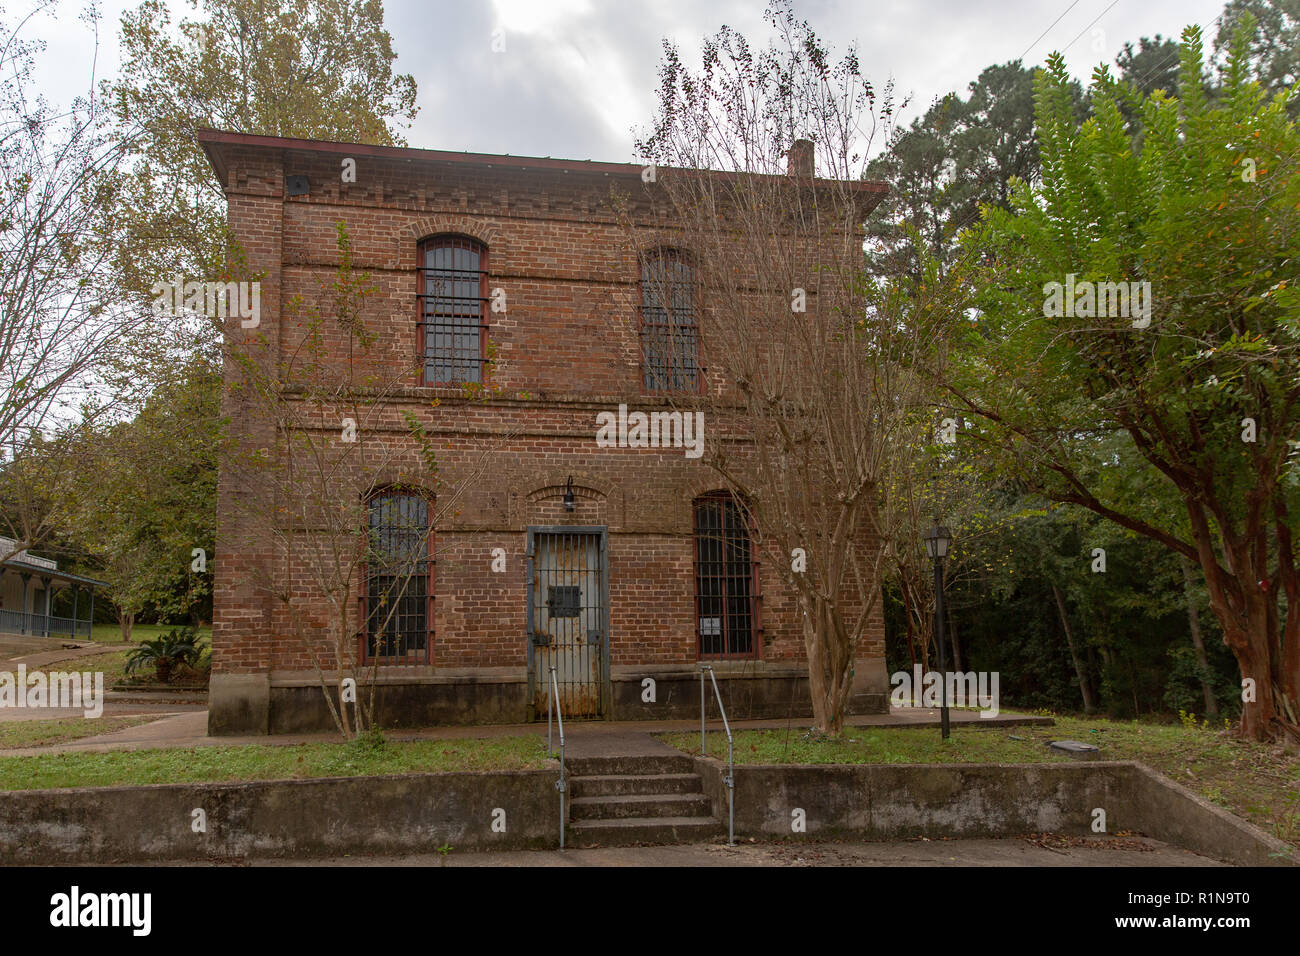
670, 349
398, 595
453, 316
725, 579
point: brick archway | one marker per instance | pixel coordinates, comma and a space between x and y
423, 228
554, 485
542, 505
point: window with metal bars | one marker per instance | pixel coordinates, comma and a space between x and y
725, 576
398, 615
453, 314
669, 329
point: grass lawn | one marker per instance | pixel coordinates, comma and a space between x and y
112, 633
1258, 782
268, 762
36, 733
113, 667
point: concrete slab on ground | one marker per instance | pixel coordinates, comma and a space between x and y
40, 651
1124, 852
169, 727
629, 743
111, 709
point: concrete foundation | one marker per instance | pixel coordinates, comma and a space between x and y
247, 704
239, 704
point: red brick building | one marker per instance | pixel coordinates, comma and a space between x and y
616, 564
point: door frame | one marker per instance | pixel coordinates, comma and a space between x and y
602, 534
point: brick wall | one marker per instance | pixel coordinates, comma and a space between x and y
566, 349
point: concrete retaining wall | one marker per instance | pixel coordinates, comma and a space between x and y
421, 812
889, 802
1169, 811
391, 814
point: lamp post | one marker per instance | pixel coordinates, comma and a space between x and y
937, 540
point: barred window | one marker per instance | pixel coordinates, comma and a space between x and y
453, 317
669, 329
724, 579
398, 597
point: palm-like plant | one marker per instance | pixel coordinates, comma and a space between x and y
178, 646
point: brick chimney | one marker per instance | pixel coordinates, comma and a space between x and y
800, 161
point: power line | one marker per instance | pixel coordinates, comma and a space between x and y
1049, 29
1088, 27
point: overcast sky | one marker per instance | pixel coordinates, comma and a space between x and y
577, 75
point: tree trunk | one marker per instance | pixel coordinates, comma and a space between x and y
1089, 704
1094, 685
126, 620
958, 659
907, 619
344, 718
922, 626
1269, 716
1245, 603
1194, 623
1133, 687
828, 671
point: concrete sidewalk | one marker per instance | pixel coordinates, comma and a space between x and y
42, 654
186, 728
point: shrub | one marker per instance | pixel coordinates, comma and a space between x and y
177, 646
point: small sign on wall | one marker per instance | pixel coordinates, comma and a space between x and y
710, 626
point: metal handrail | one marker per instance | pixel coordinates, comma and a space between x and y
554, 697
730, 778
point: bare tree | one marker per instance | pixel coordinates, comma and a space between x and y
808, 381
929, 481
61, 318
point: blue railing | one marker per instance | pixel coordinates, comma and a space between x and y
43, 625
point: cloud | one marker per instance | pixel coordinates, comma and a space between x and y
577, 75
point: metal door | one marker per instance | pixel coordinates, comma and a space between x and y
568, 619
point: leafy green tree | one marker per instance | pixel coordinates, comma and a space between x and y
316, 69
1273, 29
1188, 391
147, 501
1151, 65
941, 168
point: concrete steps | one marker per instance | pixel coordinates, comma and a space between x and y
660, 831
642, 805
630, 764
620, 785
639, 799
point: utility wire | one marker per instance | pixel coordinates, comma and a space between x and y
1048, 30
1088, 27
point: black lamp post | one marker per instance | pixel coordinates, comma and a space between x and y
937, 540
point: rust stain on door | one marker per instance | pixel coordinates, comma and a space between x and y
567, 592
